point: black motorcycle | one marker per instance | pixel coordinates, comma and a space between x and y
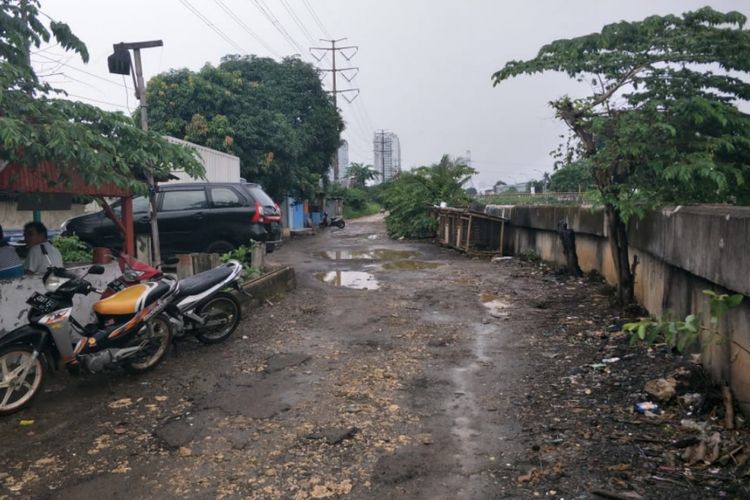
333, 221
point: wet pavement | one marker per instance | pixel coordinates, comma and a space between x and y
389, 372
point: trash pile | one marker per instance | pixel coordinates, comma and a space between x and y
607, 419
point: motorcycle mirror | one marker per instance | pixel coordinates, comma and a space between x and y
96, 269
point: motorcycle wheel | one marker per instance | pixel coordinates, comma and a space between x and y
14, 392
223, 308
341, 224
158, 338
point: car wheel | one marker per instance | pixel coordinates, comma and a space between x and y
220, 246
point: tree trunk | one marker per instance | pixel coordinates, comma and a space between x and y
618, 244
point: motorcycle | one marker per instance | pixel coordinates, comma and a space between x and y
202, 306
131, 330
333, 221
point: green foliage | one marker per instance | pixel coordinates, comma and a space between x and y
244, 255
274, 115
360, 173
660, 127
36, 127
662, 124
682, 335
410, 196
72, 249
358, 202
572, 178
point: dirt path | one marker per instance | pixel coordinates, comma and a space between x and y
447, 378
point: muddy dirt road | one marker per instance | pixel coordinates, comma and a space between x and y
394, 370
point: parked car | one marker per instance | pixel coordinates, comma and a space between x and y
194, 217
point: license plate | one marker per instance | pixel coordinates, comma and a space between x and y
42, 303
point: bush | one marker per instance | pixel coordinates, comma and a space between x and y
73, 250
244, 255
410, 196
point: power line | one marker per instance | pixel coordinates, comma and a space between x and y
211, 25
298, 21
315, 17
245, 27
269, 15
96, 100
94, 75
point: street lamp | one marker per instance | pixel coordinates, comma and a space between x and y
119, 63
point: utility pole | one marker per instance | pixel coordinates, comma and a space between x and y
119, 63
333, 49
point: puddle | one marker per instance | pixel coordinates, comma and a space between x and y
377, 254
349, 279
411, 265
497, 307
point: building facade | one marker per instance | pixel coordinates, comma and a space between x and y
387, 155
343, 157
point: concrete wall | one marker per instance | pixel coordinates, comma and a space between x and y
681, 252
14, 293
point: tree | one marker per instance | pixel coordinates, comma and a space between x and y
409, 197
360, 173
36, 127
471, 191
662, 124
572, 177
274, 115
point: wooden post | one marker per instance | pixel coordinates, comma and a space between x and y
127, 223
468, 235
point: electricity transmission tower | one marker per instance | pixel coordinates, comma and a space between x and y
347, 52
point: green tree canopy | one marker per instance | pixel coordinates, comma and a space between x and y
35, 126
662, 124
274, 115
572, 177
359, 173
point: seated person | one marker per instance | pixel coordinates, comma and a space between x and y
37, 261
11, 265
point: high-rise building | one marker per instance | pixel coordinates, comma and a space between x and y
343, 155
387, 155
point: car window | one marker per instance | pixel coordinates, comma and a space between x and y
183, 200
222, 197
259, 195
140, 204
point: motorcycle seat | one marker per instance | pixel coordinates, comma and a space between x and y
193, 285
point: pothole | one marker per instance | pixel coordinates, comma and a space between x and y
377, 254
411, 265
358, 280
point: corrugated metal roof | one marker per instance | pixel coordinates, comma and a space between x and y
47, 178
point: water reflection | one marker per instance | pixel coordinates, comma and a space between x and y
349, 279
377, 254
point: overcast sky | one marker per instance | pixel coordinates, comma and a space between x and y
425, 65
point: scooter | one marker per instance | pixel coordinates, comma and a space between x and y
334, 221
130, 331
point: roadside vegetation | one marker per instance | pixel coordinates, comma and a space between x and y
410, 196
658, 127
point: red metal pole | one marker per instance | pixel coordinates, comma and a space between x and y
127, 222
